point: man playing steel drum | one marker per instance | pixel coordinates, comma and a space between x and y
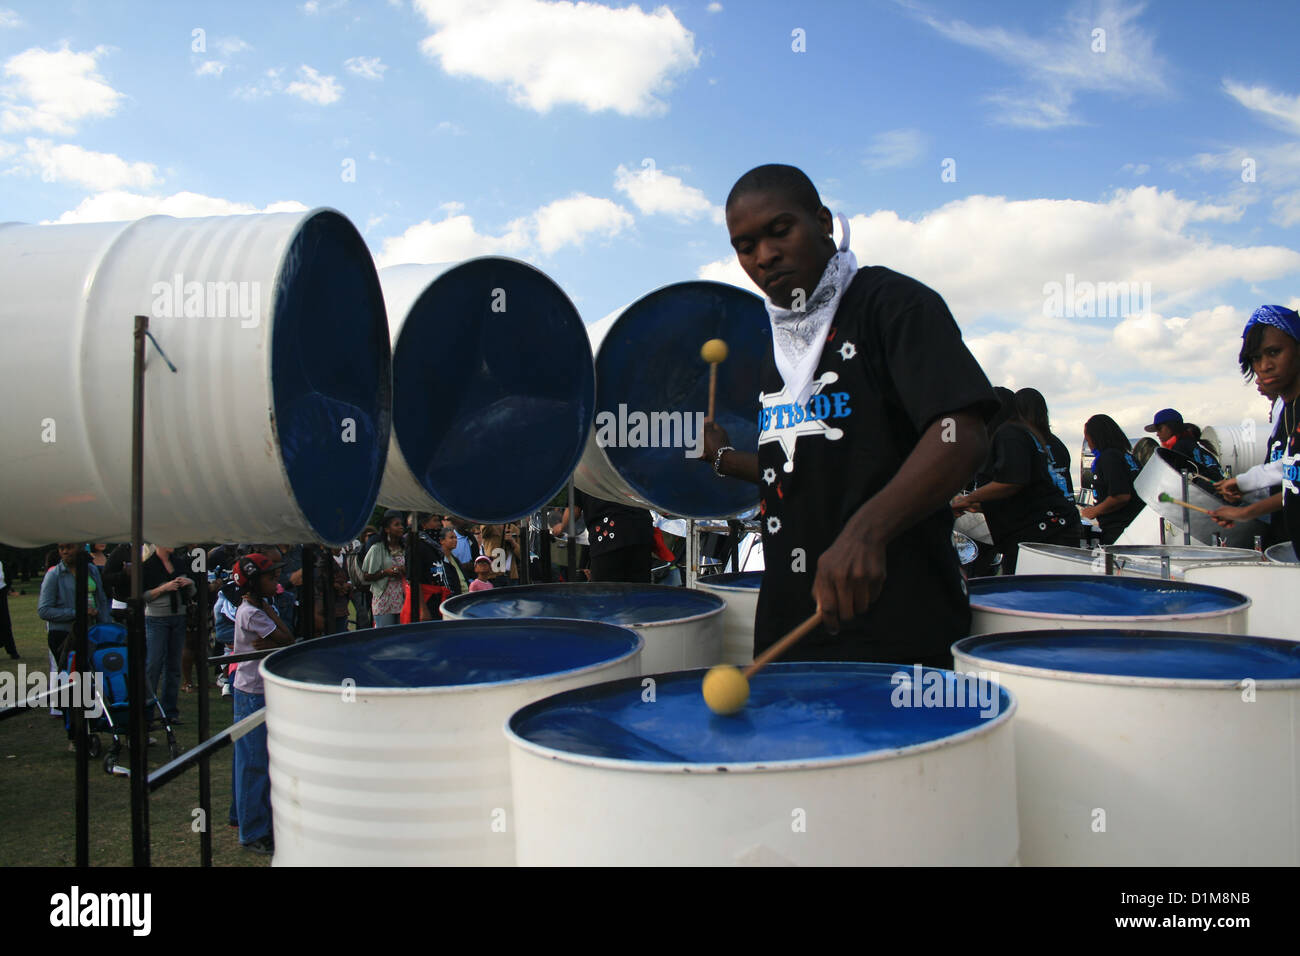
873, 417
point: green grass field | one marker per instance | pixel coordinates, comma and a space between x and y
37, 776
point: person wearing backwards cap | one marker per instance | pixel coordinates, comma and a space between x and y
1270, 351
1173, 433
257, 628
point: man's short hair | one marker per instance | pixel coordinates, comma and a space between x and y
788, 181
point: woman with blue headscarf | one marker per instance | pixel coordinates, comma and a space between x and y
1270, 353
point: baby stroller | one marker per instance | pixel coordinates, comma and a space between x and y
107, 646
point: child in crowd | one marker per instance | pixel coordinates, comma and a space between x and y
482, 573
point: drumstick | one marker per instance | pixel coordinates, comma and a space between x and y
713, 351
1170, 499
726, 688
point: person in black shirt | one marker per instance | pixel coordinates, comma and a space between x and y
1032, 408
619, 538
872, 416
1173, 434
1019, 496
1114, 470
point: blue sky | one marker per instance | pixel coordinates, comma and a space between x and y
598, 142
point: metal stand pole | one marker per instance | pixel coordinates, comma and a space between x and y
733, 546
1187, 517
692, 553
526, 550
544, 551
572, 545
135, 641
205, 707
81, 674
307, 593
327, 592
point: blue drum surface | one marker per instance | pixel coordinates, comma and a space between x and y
1097, 595
626, 604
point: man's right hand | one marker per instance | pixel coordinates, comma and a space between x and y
1227, 489
715, 437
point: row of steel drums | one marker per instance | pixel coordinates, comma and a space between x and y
1090, 720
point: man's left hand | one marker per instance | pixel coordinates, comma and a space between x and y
850, 575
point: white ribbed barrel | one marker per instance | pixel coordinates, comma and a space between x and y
682, 628
740, 591
1030, 602
1036, 558
493, 388
274, 426
829, 764
1272, 589
386, 744
652, 391
1137, 748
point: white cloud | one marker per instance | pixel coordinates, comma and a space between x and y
446, 126
560, 223
229, 46
9, 19
1287, 210
117, 206
569, 221
315, 88
366, 67
550, 54
210, 68
1059, 66
714, 8
895, 148
53, 90
450, 240
1137, 169
991, 258
97, 171
1280, 109
654, 191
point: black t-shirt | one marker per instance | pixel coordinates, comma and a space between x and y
1113, 473
1206, 464
1058, 461
612, 526
892, 363
1018, 458
1289, 451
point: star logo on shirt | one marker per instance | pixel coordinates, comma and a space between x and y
848, 350
789, 435
769, 475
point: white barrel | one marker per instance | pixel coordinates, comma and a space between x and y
829, 764
1030, 602
493, 388
652, 393
1272, 589
386, 744
1138, 748
1162, 474
682, 628
275, 424
1035, 558
740, 591
1238, 445
1283, 553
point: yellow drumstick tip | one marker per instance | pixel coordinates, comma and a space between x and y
725, 689
714, 351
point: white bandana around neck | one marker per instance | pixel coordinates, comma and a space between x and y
798, 336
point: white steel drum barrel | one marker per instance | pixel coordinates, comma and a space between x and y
386, 744
1272, 589
682, 628
1034, 558
493, 388
740, 591
1141, 748
827, 764
1283, 553
275, 424
1027, 602
652, 390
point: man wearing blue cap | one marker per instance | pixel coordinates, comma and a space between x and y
1174, 434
